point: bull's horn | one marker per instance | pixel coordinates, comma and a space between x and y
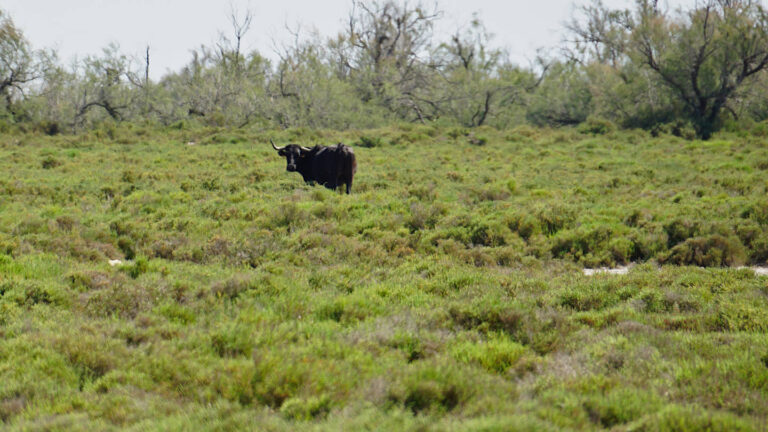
275, 147
305, 148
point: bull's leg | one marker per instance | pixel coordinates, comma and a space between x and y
349, 185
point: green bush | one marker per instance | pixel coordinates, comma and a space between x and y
596, 126
711, 251
524, 225
556, 218
431, 388
676, 418
370, 141
491, 319
680, 230
496, 354
589, 246
314, 407
488, 234
620, 406
136, 268
740, 317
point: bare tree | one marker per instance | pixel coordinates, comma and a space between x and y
390, 46
703, 57
18, 65
106, 84
477, 82
240, 26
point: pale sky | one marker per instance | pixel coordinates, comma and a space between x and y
173, 28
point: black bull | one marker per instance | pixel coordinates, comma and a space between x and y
330, 166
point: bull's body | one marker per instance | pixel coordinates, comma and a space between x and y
329, 166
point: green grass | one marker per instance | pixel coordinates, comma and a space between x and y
444, 293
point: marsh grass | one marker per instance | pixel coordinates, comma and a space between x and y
444, 293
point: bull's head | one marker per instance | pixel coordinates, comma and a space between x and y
292, 153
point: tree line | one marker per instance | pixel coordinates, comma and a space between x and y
690, 71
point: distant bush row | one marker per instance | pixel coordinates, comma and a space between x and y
383, 68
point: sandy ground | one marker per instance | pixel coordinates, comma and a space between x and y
621, 270
618, 270
759, 271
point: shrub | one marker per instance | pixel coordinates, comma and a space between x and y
589, 246
423, 217
676, 418
596, 126
620, 406
586, 297
90, 280
478, 140
176, 313
431, 388
288, 215
232, 341
678, 128
525, 225
30, 293
457, 132
488, 234
758, 253
493, 192
680, 230
555, 218
512, 186
232, 287
125, 244
711, 251
757, 212
137, 268
748, 231
740, 317
497, 354
647, 243
124, 300
370, 141
486, 318
638, 217
622, 250
313, 407
50, 162
279, 376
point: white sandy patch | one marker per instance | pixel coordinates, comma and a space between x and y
618, 270
759, 271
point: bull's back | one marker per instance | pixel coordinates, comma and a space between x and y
334, 165
326, 165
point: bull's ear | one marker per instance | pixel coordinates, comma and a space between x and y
281, 153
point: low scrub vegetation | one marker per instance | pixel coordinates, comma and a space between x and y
445, 293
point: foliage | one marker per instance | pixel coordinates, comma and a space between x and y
563, 98
702, 57
18, 63
689, 73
